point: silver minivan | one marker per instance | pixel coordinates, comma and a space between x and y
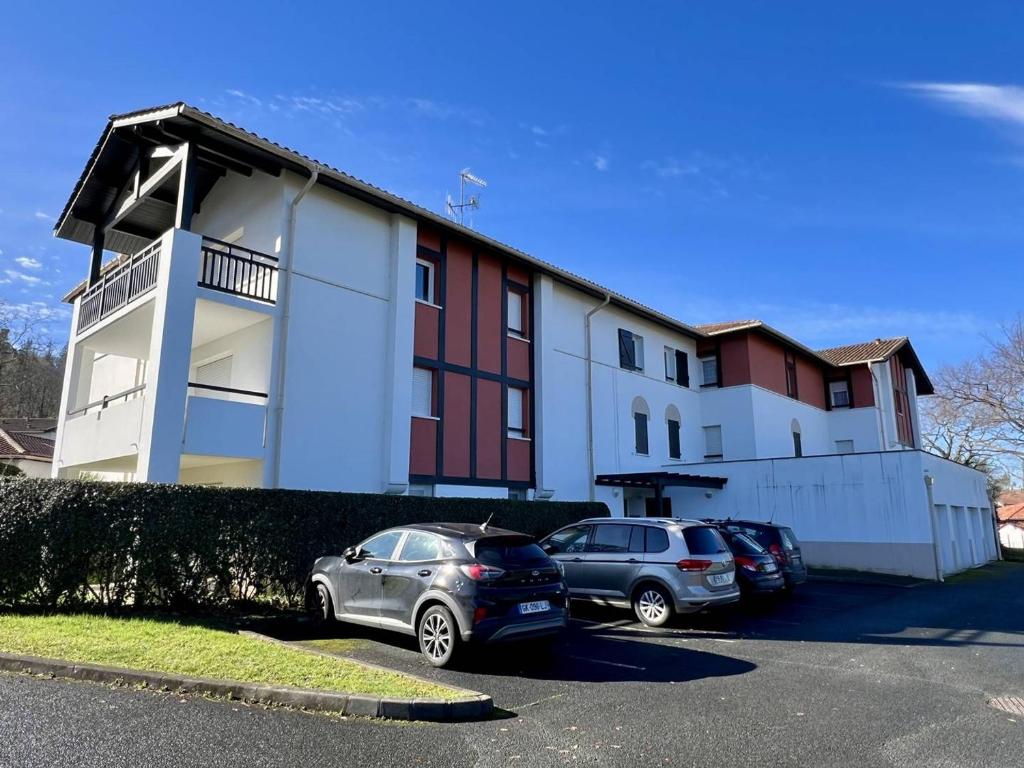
658, 566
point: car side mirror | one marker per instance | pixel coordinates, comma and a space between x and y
351, 554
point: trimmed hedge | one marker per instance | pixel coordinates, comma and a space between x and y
70, 543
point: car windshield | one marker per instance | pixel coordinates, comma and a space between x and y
741, 544
509, 553
704, 540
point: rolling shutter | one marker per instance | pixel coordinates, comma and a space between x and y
215, 374
422, 392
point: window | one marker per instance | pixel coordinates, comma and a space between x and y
216, 373
420, 546
569, 540
704, 540
839, 394
640, 416
422, 392
518, 494
844, 446
631, 350
791, 388
381, 546
677, 367
657, 540
516, 398
420, 490
674, 450
709, 371
611, 538
516, 322
672, 421
798, 448
425, 281
713, 442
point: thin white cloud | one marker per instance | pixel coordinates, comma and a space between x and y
1002, 103
27, 262
14, 274
43, 216
671, 168
601, 162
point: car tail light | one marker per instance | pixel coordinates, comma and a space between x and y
479, 615
778, 554
746, 562
693, 565
481, 572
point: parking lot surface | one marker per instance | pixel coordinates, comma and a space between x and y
839, 674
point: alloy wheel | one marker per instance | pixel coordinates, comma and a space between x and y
437, 636
652, 605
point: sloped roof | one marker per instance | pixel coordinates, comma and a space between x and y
864, 352
24, 445
28, 424
1010, 513
732, 325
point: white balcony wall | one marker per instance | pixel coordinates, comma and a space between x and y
215, 427
108, 433
246, 210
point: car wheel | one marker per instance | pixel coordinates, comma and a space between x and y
322, 609
438, 635
652, 605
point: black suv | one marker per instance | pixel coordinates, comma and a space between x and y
779, 540
445, 583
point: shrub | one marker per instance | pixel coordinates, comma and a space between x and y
69, 543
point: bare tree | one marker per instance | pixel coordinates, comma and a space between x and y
977, 414
31, 368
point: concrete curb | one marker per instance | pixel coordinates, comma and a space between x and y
475, 707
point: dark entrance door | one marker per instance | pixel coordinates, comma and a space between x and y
651, 507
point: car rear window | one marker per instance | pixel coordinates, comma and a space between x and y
763, 535
704, 540
788, 538
741, 544
505, 553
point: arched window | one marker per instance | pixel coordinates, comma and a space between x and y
673, 422
798, 449
641, 415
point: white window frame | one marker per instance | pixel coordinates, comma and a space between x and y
840, 450
703, 371
638, 352
430, 393
517, 332
430, 281
516, 428
671, 374
845, 387
709, 430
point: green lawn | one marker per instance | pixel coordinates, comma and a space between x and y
195, 650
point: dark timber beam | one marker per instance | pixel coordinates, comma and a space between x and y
96, 260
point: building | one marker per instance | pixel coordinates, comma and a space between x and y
270, 321
26, 444
1011, 525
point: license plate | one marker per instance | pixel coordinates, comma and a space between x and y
538, 606
719, 579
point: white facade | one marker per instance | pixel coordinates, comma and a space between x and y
306, 382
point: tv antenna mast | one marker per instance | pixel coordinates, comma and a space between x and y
456, 211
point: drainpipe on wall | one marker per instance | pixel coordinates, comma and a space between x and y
590, 393
286, 303
929, 481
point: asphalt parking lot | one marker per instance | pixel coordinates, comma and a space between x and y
839, 674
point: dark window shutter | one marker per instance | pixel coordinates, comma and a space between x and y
673, 439
682, 369
798, 448
627, 350
640, 425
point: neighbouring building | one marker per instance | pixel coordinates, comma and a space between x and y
1011, 525
26, 444
269, 321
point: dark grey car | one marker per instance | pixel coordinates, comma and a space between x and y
445, 583
657, 566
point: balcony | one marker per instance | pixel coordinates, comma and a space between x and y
105, 430
238, 271
223, 267
120, 286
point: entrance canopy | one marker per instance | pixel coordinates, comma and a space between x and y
660, 480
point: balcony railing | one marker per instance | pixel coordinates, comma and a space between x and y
119, 287
238, 271
107, 400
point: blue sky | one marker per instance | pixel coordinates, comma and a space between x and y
841, 171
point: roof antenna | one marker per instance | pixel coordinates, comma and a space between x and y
483, 526
456, 211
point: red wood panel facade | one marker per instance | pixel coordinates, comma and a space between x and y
466, 342
901, 401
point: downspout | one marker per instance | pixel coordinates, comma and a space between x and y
590, 393
286, 304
